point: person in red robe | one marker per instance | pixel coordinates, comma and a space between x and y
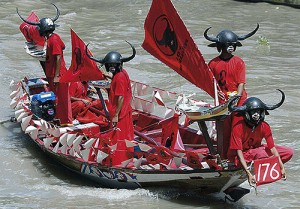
120, 95
230, 73
84, 108
54, 66
247, 135
78, 95
228, 69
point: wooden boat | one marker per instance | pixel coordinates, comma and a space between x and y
151, 162
188, 156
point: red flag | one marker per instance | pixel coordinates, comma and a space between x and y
267, 170
82, 68
193, 160
30, 32
167, 39
170, 133
161, 155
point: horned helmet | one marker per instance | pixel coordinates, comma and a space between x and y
227, 37
253, 109
113, 61
46, 25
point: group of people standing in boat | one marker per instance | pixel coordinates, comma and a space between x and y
245, 128
73, 98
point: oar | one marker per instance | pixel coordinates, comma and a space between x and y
103, 103
146, 138
12, 119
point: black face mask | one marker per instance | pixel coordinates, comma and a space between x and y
229, 47
113, 67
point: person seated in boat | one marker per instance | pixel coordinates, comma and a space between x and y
86, 109
120, 94
54, 66
247, 134
229, 71
79, 92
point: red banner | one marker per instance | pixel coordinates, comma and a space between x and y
82, 67
267, 170
170, 133
30, 32
167, 39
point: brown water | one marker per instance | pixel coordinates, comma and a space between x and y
30, 180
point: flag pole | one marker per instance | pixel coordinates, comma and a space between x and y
216, 93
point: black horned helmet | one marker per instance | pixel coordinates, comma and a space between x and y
227, 37
113, 57
45, 25
252, 104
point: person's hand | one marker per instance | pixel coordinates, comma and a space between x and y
115, 120
92, 90
283, 174
56, 79
251, 179
86, 102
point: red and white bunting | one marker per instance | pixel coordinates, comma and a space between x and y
63, 138
85, 154
136, 103
76, 143
25, 122
144, 147
89, 143
101, 156
47, 142
169, 113
44, 126
14, 85
56, 132
179, 99
142, 89
127, 162
130, 143
13, 103
55, 149
21, 116
15, 93
70, 140
64, 149
158, 98
147, 106
138, 162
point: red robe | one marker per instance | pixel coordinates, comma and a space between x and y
79, 108
229, 74
78, 90
55, 46
250, 142
120, 86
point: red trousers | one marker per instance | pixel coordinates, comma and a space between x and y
125, 127
263, 151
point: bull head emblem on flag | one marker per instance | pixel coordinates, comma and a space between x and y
78, 60
164, 35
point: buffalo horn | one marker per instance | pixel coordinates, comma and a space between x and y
272, 107
249, 34
212, 39
57, 13
126, 59
233, 108
92, 58
28, 22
